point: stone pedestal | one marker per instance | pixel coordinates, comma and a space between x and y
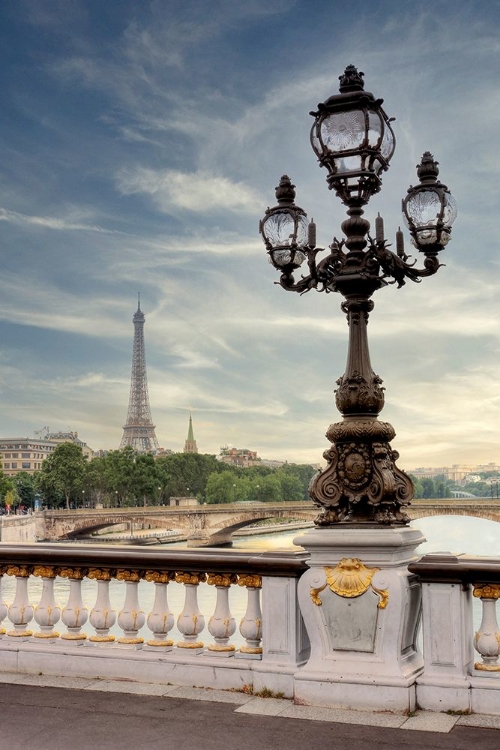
361, 608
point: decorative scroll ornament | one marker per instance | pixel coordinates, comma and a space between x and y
222, 579
20, 571
190, 578
74, 574
486, 667
250, 581
159, 576
487, 591
130, 576
349, 579
44, 571
101, 574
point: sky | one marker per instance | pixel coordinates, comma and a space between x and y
140, 144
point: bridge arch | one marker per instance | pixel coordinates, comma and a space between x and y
489, 515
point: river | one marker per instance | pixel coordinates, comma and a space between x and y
458, 534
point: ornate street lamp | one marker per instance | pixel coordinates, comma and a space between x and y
353, 139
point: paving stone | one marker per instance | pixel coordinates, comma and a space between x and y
9, 677
344, 716
427, 721
264, 706
133, 688
48, 680
204, 694
480, 720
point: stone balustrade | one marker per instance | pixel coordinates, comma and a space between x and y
103, 629
73, 639
461, 667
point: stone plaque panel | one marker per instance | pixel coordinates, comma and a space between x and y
351, 623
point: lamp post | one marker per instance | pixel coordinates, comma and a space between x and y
352, 137
363, 652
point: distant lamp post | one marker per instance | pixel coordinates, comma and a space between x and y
37, 501
116, 498
83, 498
354, 141
234, 493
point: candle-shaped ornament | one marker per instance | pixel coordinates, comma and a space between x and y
379, 229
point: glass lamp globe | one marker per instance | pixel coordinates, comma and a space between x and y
352, 137
284, 229
429, 209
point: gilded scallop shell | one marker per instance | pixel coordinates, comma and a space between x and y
350, 577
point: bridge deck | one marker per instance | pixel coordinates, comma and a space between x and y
125, 715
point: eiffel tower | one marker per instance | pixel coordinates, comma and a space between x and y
139, 431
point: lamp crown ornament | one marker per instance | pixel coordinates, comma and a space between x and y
285, 191
353, 139
351, 80
427, 170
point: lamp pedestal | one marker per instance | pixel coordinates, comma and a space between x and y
361, 609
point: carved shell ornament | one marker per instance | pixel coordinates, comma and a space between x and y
350, 578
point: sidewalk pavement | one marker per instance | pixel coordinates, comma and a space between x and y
57, 713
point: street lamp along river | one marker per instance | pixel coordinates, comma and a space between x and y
353, 139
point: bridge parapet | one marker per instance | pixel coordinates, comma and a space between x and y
271, 649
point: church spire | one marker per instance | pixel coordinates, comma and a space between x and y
190, 444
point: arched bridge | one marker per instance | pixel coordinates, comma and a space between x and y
213, 525
203, 525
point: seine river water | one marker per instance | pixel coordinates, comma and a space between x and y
457, 534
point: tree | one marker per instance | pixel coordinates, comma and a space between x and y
304, 473
145, 478
120, 475
11, 498
428, 489
291, 486
96, 480
63, 473
270, 489
24, 485
184, 474
221, 487
6, 484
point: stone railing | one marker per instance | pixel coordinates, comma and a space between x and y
104, 635
231, 620
455, 677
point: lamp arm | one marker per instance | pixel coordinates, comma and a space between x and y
395, 267
321, 274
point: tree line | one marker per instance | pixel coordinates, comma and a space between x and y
127, 478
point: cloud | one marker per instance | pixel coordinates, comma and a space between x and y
48, 222
199, 192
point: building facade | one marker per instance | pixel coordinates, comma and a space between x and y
239, 457
71, 437
24, 454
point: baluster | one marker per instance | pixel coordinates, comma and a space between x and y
251, 624
130, 618
222, 624
20, 611
47, 612
3, 606
487, 639
102, 616
191, 621
160, 619
74, 614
